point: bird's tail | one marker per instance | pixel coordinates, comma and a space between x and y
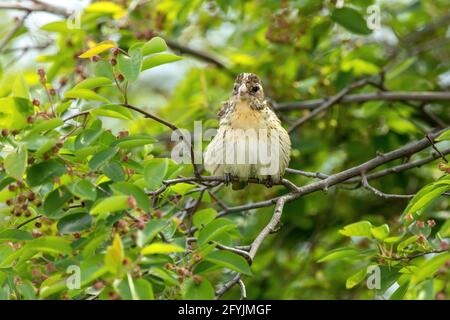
238, 185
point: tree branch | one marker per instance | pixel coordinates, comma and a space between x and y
365, 97
35, 7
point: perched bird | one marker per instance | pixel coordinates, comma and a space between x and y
251, 142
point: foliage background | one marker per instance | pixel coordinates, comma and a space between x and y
301, 53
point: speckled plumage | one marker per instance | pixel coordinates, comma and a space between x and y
247, 121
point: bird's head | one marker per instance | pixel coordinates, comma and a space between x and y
247, 86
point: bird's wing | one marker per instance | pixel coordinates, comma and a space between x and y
223, 110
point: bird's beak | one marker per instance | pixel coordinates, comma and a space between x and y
243, 90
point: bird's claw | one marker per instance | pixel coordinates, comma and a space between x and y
268, 182
228, 178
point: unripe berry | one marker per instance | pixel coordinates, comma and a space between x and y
131, 201
12, 187
96, 58
41, 72
120, 77
431, 223
420, 224
9, 202
36, 102
98, 285
5, 132
30, 119
38, 225
158, 214
116, 51
197, 279
140, 225
31, 196
113, 62
27, 213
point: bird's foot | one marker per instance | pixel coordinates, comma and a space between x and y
268, 182
228, 178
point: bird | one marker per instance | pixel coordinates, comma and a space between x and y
251, 142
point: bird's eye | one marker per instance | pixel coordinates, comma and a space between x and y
255, 89
236, 87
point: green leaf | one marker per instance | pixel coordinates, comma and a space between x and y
101, 158
92, 83
113, 111
358, 229
405, 243
161, 248
429, 267
203, 217
83, 189
202, 291
114, 171
142, 289
215, 229
356, 278
87, 137
381, 232
114, 255
75, 222
16, 163
400, 292
444, 136
351, 20
229, 260
154, 45
154, 172
99, 48
130, 189
15, 235
111, 204
84, 94
46, 125
104, 69
50, 244
424, 197
130, 66
14, 112
134, 141
44, 172
56, 199
340, 253
20, 88
159, 59
151, 229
